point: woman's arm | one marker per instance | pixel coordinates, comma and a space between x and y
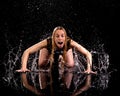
28, 86
83, 88
86, 53
29, 51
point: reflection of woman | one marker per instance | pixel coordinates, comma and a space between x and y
67, 76
65, 80
28, 86
85, 87
61, 43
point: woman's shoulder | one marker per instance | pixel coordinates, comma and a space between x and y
49, 38
49, 44
68, 38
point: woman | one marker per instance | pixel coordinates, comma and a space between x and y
59, 41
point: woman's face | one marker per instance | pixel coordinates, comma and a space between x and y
59, 38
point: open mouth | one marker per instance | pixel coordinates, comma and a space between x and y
60, 43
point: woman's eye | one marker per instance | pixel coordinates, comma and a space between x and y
62, 36
57, 36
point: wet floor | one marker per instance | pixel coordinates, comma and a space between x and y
38, 83
59, 83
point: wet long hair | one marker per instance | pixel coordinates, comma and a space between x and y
54, 48
54, 45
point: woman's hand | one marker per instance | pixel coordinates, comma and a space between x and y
23, 70
90, 72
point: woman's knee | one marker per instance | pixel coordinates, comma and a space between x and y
69, 58
70, 64
42, 62
43, 57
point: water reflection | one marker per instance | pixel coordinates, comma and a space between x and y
76, 84
71, 84
65, 87
85, 87
26, 84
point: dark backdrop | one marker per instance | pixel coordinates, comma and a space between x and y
85, 20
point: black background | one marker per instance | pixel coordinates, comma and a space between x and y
28, 20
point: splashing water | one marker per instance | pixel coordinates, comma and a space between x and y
100, 64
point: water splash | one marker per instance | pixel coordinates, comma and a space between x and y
100, 63
12, 58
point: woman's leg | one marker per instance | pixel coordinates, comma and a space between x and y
69, 70
42, 63
69, 58
67, 79
43, 57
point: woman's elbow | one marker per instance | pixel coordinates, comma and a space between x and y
88, 54
26, 53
